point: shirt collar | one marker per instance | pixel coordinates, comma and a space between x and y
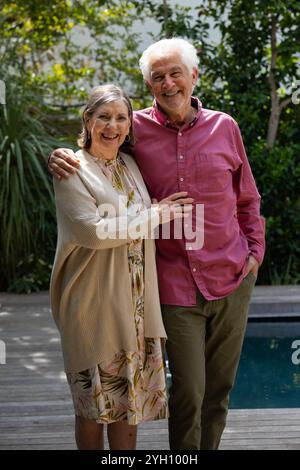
159, 116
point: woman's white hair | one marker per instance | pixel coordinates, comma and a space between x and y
186, 50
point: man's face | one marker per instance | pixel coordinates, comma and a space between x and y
171, 83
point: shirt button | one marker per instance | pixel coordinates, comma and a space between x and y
180, 134
181, 179
181, 157
194, 270
190, 247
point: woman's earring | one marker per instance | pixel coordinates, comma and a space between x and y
127, 138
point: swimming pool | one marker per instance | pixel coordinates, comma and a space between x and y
267, 376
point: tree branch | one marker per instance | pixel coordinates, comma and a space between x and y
165, 4
271, 77
284, 103
275, 107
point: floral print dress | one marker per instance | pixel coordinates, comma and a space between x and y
131, 386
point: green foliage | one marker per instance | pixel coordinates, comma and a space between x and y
26, 196
68, 47
49, 72
33, 273
278, 178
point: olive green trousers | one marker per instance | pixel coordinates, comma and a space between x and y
203, 347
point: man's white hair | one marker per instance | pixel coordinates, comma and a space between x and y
186, 50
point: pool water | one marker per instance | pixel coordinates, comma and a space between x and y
267, 376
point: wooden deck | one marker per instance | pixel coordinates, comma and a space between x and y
35, 407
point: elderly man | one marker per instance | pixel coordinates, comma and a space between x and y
205, 293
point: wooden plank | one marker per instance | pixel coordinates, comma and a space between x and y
36, 410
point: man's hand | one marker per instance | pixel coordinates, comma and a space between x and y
252, 267
62, 163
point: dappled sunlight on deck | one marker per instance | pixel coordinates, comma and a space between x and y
36, 411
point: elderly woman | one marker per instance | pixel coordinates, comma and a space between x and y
104, 292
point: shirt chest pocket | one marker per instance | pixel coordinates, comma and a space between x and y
211, 173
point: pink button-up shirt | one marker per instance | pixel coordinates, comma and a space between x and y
207, 159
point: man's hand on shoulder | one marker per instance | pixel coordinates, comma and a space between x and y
62, 163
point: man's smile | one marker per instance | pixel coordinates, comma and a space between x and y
171, 93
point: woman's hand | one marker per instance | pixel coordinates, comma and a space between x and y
175, 206
63, 162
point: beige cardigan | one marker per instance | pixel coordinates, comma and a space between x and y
91, 295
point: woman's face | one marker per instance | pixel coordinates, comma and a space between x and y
109, 126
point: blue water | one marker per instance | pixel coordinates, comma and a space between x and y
267, 376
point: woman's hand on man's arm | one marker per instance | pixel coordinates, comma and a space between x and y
62, 163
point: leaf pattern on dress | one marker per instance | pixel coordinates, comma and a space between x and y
131, 196
112, 384
84, 379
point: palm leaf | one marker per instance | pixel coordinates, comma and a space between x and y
26, 195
